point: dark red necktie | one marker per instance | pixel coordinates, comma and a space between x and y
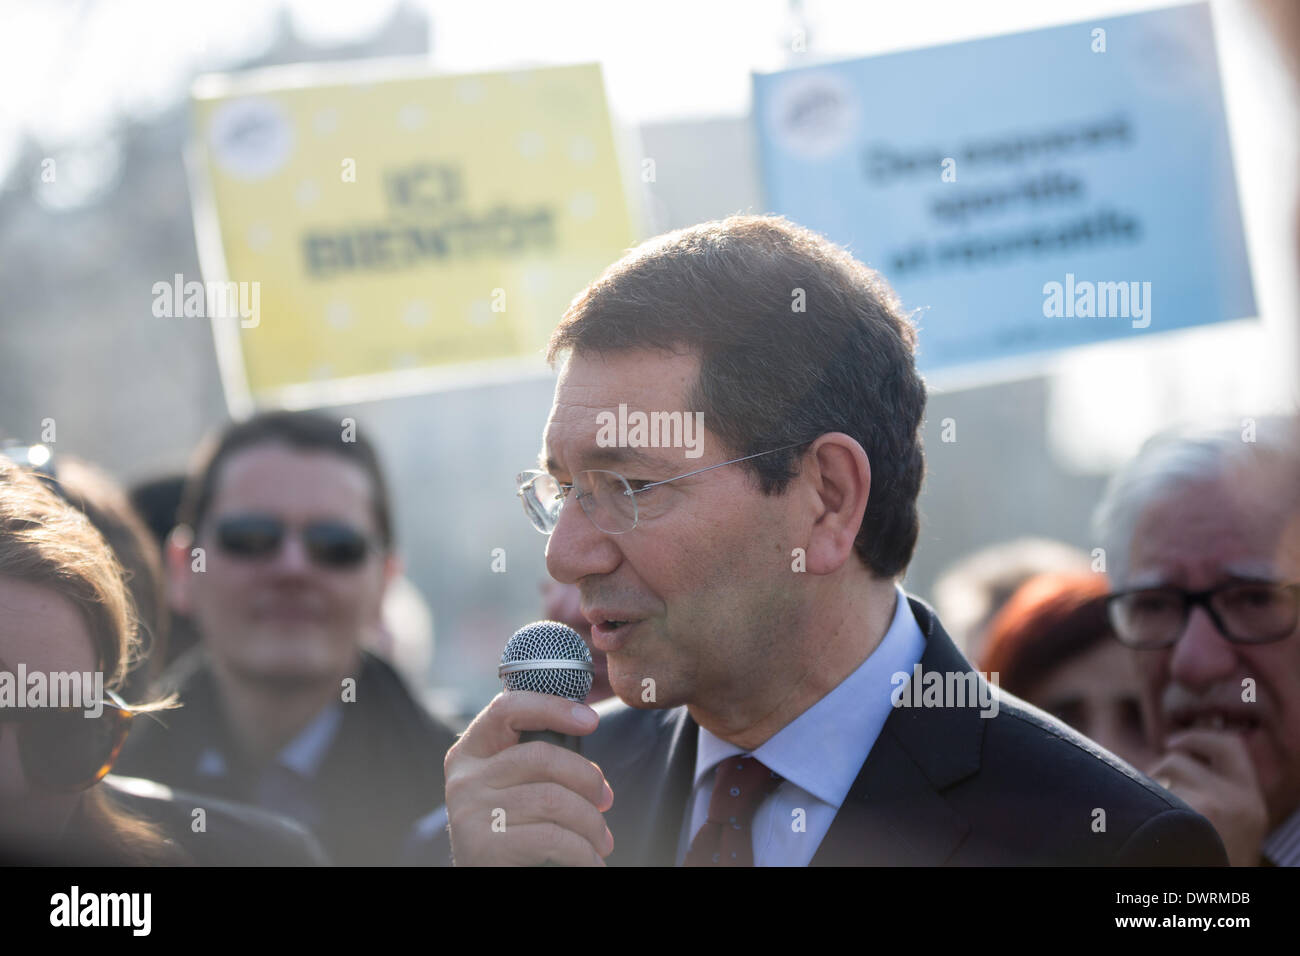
726, 839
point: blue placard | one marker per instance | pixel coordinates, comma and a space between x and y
1024, 193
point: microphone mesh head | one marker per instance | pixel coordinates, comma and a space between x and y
568, 668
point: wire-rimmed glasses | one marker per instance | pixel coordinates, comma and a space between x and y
608, 498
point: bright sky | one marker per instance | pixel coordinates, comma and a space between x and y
75, 68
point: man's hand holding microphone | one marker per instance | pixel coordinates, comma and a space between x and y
517, 797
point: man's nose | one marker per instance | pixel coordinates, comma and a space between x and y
1202, 656
291, 557
577, 548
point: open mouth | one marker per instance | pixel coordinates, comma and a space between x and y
1218, 721
609, 634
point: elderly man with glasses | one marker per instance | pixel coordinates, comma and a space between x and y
1202, 536
745, 593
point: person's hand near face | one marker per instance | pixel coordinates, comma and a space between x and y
1211, 771
671, 581
693, 606
1225, 716
513, 805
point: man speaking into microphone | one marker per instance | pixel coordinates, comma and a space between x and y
742, 583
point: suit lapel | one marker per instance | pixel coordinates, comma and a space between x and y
650, 762
894, 813
676, 778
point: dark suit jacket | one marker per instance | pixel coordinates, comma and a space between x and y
941, 786
233, 834
382, 772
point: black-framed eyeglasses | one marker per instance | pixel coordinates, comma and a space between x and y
329, 544
64, 749
1244, 612
608, 498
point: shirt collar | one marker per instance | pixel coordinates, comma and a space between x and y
303, 754
823, 749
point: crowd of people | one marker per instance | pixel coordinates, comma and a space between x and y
744, 610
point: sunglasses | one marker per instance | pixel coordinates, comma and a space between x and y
329, 544
64, 750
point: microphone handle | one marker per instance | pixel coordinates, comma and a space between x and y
567, 741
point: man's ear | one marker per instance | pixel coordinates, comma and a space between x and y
178, 567
394, 567
838, 476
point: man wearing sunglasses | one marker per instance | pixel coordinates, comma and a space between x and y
282, 561
745, 595
1202, 537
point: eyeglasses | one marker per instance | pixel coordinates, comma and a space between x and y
608, 498
63, 749
1245, 612
330, 544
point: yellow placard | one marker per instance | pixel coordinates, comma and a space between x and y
405, 221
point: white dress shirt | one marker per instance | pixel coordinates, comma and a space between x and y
819, 753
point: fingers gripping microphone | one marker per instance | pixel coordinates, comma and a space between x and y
547, 658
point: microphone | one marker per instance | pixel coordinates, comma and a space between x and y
548, 657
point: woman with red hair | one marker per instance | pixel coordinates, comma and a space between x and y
1052, 645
